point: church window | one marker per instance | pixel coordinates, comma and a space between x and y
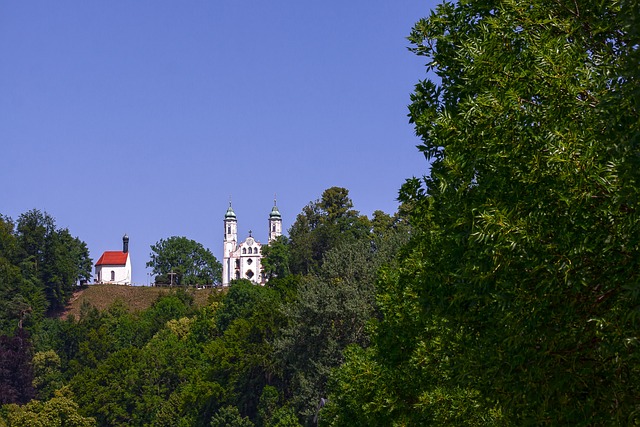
250, 250
255, 251
244, 250
113, 276
249, 274
229, 230
237, 263
249, 261
274, 228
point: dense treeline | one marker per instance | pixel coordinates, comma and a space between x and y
40, 267
253, 356
517, 300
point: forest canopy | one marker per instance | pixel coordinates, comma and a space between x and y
516, 301
40, 267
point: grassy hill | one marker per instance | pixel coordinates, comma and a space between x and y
136, 298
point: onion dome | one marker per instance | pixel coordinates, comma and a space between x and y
275, 213
230, 213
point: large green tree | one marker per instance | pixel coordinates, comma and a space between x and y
16, 374
331, 311
59, 411
517, 301
40, 266
322, 225
276, 258
192, 262
57, 259
242, 358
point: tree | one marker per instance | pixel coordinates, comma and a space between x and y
34, 230
515, 302
321, 226
40, 267
51, 256
16, 375
275, 258
66, 264
192, 262
59, 411
242, 358
331, 312
229, 416
22, 300
145, 370
47, 377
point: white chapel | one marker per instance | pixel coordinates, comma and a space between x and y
242, 260
115, 266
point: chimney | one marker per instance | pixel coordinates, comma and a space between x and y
125, 243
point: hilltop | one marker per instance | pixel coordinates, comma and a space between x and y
136, 298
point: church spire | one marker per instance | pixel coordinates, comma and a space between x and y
275, 221
275, 213
230, 213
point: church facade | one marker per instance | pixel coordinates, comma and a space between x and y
243, 260
114, 267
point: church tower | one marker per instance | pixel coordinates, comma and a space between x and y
230, 243
242, 259
275, 222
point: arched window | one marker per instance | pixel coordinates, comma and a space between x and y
229, 230
244, 250
250, 250
255, 251
274, 228
113, 276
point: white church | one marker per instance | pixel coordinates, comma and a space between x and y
243, 260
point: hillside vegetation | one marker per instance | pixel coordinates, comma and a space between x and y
134, 298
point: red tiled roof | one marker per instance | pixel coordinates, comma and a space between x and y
113, 258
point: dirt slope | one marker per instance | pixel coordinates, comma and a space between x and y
136, 298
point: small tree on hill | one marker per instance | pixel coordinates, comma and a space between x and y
192, 262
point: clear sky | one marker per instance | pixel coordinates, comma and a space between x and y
145, 117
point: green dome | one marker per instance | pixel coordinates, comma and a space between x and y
230, 213
275, 213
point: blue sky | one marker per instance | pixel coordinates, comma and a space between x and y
145, 117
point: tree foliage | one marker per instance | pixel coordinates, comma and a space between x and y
255, 355
59, 260
229, 416
242, 358
516, 302
59, 411
276, 258
321, 226
192, 262
331, 311
16, 375
40, 267
47, 374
